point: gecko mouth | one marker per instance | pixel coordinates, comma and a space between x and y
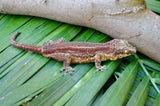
133, 50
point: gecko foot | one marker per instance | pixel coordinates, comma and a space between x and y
101, 68
68, 69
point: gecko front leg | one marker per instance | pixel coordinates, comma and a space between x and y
65, 57
98, 58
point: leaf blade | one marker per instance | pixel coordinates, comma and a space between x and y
140, 95
118, 92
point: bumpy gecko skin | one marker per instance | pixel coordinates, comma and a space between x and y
80, 52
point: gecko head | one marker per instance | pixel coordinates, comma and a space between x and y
122, 49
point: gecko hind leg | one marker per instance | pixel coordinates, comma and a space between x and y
66, 64
99, 67
67, 69
65, 57
50, 42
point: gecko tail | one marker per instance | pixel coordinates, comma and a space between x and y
33, 48
14, 36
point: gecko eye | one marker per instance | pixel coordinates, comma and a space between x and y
125, 51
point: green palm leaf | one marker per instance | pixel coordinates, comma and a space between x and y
117, 94
140, 95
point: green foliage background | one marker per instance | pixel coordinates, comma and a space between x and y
27, 78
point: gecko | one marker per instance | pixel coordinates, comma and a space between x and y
79, 52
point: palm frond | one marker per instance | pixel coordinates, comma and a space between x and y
29, 78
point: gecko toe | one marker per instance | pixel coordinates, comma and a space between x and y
68, 69
101, 68
62, 69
